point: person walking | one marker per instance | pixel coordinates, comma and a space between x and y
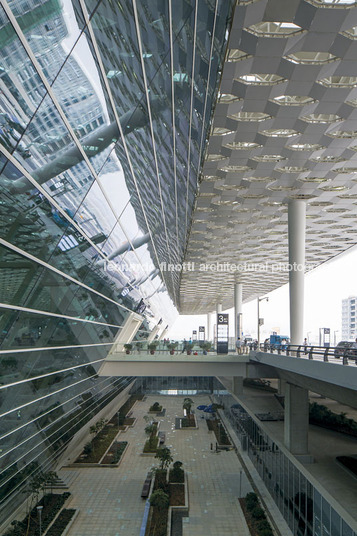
239, 346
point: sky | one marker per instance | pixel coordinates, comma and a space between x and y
325, 288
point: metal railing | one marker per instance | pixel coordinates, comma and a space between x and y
328, 354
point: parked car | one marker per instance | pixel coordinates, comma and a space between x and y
344, 348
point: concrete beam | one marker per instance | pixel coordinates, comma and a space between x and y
332, 373
177, 365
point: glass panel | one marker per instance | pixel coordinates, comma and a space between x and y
326, 522
25, 329
50, 31
346, 530
33, 434
335, 523
317, 514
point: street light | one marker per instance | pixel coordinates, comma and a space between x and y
259, 319
39, 511
334, 336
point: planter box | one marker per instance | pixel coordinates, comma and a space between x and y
152, 453
69, 525
113, 464
66, 530
189, 427
184, 508
98, 464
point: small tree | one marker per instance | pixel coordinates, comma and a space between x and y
159, 499
177, 473
155, 407
149, 429
187, 405
164, 455
50, 478
87, 449
36, 485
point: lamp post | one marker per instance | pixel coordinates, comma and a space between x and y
258, 330
39, 511
334, 336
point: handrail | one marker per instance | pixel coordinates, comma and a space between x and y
328, 354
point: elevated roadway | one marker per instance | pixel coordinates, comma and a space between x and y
332, 379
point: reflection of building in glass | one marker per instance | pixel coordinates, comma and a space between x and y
103, 129
75, 195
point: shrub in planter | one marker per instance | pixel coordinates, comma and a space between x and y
138, 346
155, 407
87, 449
152, 347
177, 474
206, 346
171, 346
161, 480
263, 525
258, 513
266, 532
251, 501
159, 499
189, 347
128, 348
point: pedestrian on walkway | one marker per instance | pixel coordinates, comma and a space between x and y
239, 346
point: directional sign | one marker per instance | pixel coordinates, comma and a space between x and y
222, 333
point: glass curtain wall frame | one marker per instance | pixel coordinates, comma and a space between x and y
59, 127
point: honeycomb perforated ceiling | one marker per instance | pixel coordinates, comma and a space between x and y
284, 128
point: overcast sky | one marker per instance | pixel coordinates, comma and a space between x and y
325, 287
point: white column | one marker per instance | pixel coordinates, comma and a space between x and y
296, 236
163, 333
219, 308
153, 334
209, 327
238, 310
127, 332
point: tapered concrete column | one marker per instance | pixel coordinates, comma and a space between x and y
238, 310
209, 327
128, 332
237, 385
296, 235
153, 334
163, 333
296, 422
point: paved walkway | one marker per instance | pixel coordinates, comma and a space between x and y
109, 499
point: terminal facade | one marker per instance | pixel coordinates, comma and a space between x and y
137, 135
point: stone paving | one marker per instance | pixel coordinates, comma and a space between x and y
109, 499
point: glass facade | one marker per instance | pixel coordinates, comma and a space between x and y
305, 509
174, 385
105, 109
